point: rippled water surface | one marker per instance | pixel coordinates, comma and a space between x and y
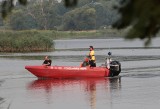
138, 85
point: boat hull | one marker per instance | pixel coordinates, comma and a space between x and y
67, 71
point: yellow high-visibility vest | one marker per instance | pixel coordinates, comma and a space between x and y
91, 54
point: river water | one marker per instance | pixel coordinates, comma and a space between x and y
138, 85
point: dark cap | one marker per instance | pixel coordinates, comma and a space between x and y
91, 47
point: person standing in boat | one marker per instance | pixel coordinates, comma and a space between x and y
47, 61
92, 60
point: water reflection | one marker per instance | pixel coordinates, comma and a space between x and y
1, 99
91, 88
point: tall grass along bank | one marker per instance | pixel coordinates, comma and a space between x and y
24, 41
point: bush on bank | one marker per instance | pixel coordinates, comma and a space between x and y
24, 41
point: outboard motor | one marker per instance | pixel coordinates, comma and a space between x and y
115, 68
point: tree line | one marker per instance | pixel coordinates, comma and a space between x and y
53, 15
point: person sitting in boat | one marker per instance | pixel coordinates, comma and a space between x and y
92, 61
85, 62
47, 61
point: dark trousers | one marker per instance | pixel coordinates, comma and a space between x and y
92, 63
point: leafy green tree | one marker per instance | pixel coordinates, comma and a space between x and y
80, 19
37, 15
8, 5
41, 14
24, 22
1, 21
142, 15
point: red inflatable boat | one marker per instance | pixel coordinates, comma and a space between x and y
73, 72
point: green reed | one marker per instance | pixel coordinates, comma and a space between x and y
24, 41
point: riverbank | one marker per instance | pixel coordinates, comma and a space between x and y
105, 33
40, 40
